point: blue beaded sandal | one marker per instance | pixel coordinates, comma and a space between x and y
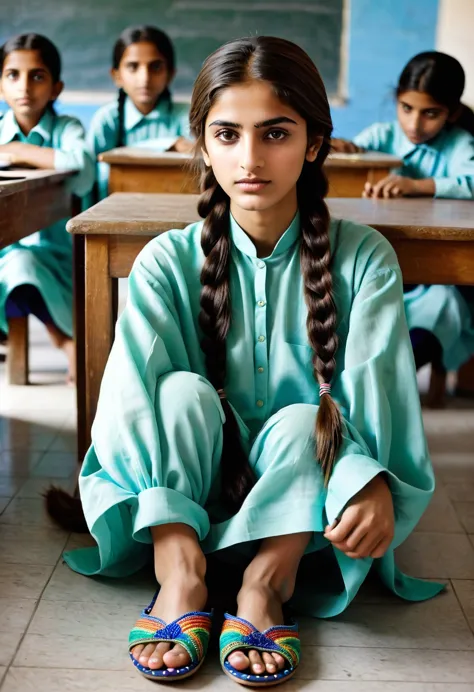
240, 634
191, 631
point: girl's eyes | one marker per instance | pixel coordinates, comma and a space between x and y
406, 109
432, 115
229, 136
14, 75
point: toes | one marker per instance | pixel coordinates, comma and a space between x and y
238, 660
156, 659
270, 663
280, 661
145, 654
136, 651
256, 664
177, 657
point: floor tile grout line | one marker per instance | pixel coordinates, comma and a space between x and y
35, 609
471, 627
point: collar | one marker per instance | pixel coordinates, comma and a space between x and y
132, 116
9, 129
243, 243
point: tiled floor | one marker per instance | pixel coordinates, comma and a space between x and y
60, 631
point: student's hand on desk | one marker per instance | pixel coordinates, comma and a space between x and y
343, 146
399, 186
28, 155
366, 527
183, 146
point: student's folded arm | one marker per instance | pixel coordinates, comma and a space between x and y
380, 402
459, 183
75, 155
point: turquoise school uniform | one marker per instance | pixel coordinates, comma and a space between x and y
449, 160
44, 259
157, 436
159, 129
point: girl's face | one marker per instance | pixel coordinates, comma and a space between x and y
143, 74
27, 85
421, 117
256, 146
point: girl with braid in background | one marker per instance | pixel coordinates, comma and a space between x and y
260, 396
143, 67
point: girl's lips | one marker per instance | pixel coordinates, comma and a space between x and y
252, 185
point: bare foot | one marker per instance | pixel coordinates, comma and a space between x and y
260, 605
177, 597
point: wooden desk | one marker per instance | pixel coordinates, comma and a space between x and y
31, 200
133, 169
434, 241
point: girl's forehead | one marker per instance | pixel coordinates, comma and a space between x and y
24, 60
143, 51
252, 99
419, 99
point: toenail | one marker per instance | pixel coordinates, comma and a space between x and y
153, 660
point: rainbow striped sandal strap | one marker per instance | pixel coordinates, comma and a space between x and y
191, 631
238, 633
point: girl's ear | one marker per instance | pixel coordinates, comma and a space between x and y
313, 149
57, 90
115, 74
205, 156
455, 115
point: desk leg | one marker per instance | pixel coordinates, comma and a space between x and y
465, 381
79, 338
100, 302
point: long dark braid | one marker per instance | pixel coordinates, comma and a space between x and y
315, 257
215, 320
121, 98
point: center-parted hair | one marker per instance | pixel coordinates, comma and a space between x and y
296, 82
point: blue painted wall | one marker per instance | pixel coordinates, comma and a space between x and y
383, 36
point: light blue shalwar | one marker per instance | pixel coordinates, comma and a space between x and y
159, 129
157, 436
449, 160
44, 259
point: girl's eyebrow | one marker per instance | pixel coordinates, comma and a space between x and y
264, 123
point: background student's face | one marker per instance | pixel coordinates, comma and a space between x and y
240, 144
420, 116
143, 74
27, 85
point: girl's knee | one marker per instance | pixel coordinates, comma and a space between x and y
182, 392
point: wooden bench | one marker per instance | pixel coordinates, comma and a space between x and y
29, 201
136, 169
434, 241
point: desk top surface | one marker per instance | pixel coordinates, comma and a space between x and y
139, 214
18, 180
138, 156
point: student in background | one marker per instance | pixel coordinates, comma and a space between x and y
36, 272
245, 355
143, 67
434, 135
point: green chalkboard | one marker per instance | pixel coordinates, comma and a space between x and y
85, 31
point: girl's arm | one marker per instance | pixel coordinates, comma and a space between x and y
23, 154
459, 183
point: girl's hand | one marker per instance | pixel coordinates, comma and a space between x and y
28, 155
182, 146
366, 527
343, 146
395, 186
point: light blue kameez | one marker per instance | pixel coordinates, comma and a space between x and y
157, 436
159, 130
44, 259
449, 160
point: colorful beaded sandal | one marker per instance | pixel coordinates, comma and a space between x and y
191, 631
240, 634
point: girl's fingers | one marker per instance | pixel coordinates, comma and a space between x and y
343, 529
380, 550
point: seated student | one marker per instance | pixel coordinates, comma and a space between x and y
434, 135
36, 272
143, 67
260, 395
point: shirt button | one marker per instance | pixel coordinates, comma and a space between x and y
259, 369
261, 303
260, 265
259, 403
261, 338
